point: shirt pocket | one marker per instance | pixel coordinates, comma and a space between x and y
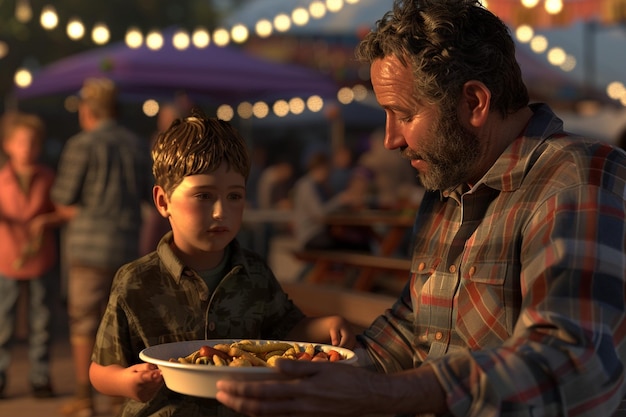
483, 304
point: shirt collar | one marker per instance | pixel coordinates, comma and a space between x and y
177, 269
510, 168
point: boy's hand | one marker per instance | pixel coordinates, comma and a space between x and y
144, 380
341, 332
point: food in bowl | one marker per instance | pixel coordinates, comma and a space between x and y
257, 353
199, 379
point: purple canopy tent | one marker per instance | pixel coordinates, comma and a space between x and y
217, 74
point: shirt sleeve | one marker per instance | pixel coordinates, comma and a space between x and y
71, 173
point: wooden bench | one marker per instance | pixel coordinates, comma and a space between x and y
360, 308
368, 264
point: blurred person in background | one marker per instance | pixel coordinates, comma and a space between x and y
313, 199
342, 166
29, 247
274, 184
394, 180
104, 177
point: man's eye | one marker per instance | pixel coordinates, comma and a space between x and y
235, 196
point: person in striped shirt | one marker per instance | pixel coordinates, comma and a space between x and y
515, 302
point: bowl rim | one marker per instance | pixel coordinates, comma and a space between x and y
144, 355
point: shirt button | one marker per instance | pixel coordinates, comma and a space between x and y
421, 266
452, 268
438, 336
212, 326
472, 271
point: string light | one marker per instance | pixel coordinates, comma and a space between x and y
75, 29
263, 28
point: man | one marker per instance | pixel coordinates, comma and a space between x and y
516, 300
104, 175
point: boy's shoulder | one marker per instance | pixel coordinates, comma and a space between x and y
146, 266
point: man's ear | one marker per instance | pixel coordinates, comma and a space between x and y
475, 102
161, 202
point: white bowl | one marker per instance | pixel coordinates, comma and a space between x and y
200, 380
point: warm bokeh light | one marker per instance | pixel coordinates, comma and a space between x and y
524, 33
239, 33
244, 110
100, 34
133, 38
154, 40
181, 40
360, 92
201, 38
300, 16
297, 105
529, 4
539, 44
334, 5
225, 112
75, 29
317, 9
150, 107
23, 11
282, 22
615, 90
280, 108
23, 78
263, 28
260, 109
221, 37
553, 6
556, 56
345, 95
315, 103
49, 18
569, 64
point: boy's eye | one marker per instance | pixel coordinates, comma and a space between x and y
204, 196
235, 196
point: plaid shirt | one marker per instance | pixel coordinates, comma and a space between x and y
156, 299
518, 285
106, 173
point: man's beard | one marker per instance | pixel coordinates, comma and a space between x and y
451, 152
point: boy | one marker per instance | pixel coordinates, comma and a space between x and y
29, 250
198, 284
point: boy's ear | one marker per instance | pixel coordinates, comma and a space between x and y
161, 201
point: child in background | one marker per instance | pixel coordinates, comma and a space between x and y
199, 283
29, 249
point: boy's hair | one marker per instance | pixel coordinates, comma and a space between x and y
13, 120
197, 145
